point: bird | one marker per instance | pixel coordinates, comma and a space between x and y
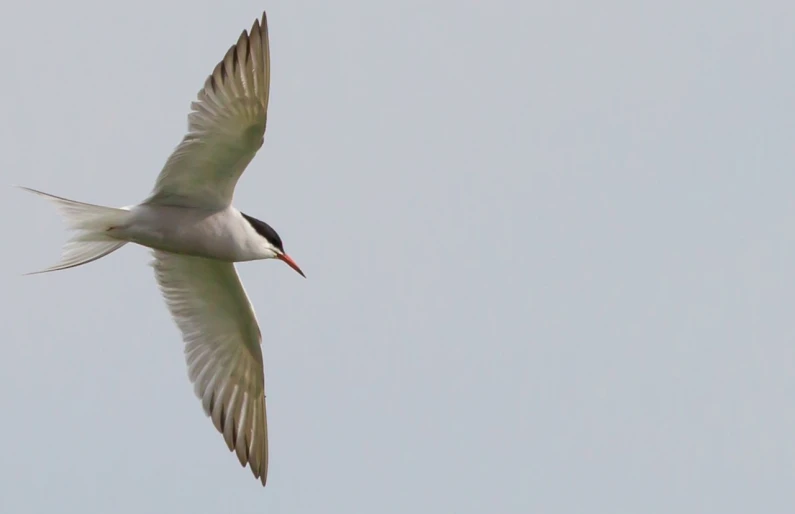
196, 236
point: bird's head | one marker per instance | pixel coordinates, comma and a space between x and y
272, 246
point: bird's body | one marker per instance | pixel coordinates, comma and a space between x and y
196, 235
223, 235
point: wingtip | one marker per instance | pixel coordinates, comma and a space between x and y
263, 477
42, 271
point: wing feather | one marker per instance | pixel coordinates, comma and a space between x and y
222, 350
226, 128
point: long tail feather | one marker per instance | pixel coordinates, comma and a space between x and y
93, 222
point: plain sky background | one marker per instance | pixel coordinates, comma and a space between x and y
550, 250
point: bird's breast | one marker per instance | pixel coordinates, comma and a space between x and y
216, 235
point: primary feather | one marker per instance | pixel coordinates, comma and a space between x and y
226, 127
222, 349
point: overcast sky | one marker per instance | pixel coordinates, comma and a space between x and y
550, 250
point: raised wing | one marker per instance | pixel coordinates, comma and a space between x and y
222, 349
226, 127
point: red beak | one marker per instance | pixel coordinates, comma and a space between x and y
290, 262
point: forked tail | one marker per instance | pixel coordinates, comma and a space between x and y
92, 223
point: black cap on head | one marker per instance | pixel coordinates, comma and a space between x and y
265, 231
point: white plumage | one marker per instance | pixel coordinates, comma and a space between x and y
197, 236
222, 348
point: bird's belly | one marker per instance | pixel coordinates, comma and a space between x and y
184, 231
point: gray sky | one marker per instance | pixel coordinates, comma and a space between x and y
550, 256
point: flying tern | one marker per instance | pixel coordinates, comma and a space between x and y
196, 236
